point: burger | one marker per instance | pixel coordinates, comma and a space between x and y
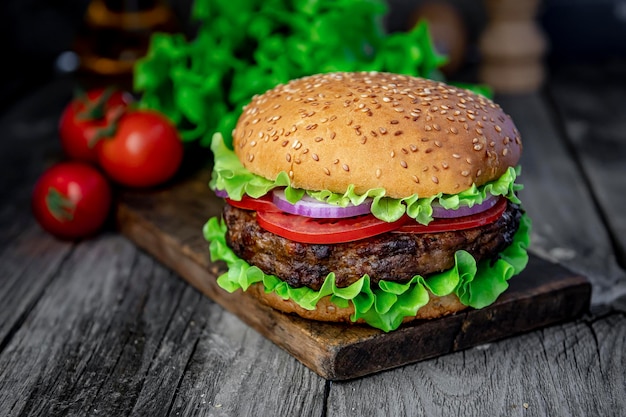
369, 197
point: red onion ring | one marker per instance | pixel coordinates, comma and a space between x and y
221, 193
443, 213
310, 207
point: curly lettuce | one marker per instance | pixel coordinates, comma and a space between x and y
384, 306
231, 176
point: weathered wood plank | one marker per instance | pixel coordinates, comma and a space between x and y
116, 332
571, 369
566, 225
591, 104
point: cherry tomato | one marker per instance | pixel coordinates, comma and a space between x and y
263, 203
458, 223
144, 151
310, 230
71, 200
84, 116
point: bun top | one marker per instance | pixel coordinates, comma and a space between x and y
409, 135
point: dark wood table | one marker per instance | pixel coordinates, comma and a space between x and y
100, 327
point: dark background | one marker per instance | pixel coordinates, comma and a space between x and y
36, 32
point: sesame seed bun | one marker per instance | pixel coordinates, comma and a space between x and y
407, 134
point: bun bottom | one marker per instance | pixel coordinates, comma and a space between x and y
329, 312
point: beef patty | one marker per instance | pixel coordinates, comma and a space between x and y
390, 256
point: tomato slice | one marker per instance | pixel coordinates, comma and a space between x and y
329, 231
458, 223
263, 203
323, 231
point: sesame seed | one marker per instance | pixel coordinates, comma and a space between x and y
382, 130
284, 143
392, 154
288, 157
397, 133
428, 128
413, 148
479, 173
378, 173
436, 127
326, 171
315, 157
250, 157
417, 180
465, 173
318, 139
403, 164
454, 130
444, 165
505, 151
345, 167
429, 150
478, 147
394, 122
438, 144
336, 161
456, 155
435, 179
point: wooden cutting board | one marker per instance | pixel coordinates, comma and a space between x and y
168, 222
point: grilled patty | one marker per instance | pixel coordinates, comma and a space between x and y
390, 256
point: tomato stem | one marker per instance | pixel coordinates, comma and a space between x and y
61, 207
110, 129
95, 109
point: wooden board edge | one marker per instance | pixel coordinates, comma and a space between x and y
356, 360
282, 329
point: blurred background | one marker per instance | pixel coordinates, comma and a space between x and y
38, 34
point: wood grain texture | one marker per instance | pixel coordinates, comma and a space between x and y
541, 295
131, 339
566, 224
593, 112
542, 373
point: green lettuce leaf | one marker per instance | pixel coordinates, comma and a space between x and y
384, 307
230, 175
